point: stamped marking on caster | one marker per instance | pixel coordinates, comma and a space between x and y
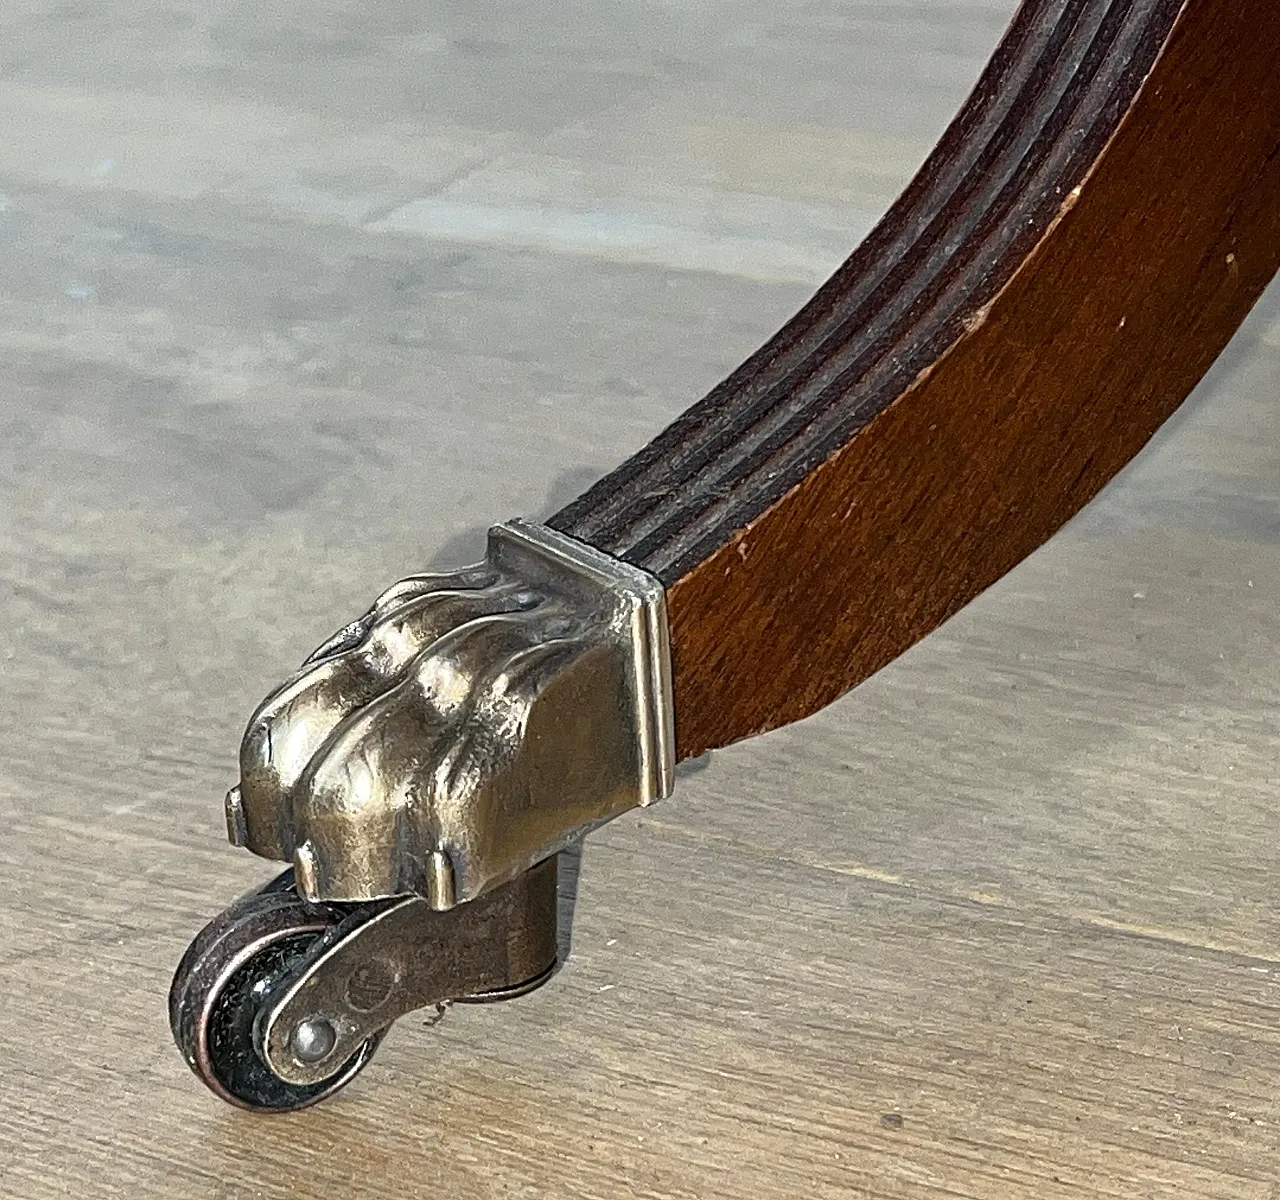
371, 984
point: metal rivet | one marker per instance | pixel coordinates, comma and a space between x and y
313, 1040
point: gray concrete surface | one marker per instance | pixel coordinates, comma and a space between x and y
297, 298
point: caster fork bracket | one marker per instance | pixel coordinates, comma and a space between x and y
391, 957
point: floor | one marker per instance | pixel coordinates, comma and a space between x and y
297, 298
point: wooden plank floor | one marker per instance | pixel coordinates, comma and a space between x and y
297, 298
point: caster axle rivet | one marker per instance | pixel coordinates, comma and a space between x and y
313, 1040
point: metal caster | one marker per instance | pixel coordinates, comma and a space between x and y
280, 1002
421, 772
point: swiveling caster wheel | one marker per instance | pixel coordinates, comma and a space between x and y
280, 1002
223, 987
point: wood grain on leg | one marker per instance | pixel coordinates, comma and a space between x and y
1090, 232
